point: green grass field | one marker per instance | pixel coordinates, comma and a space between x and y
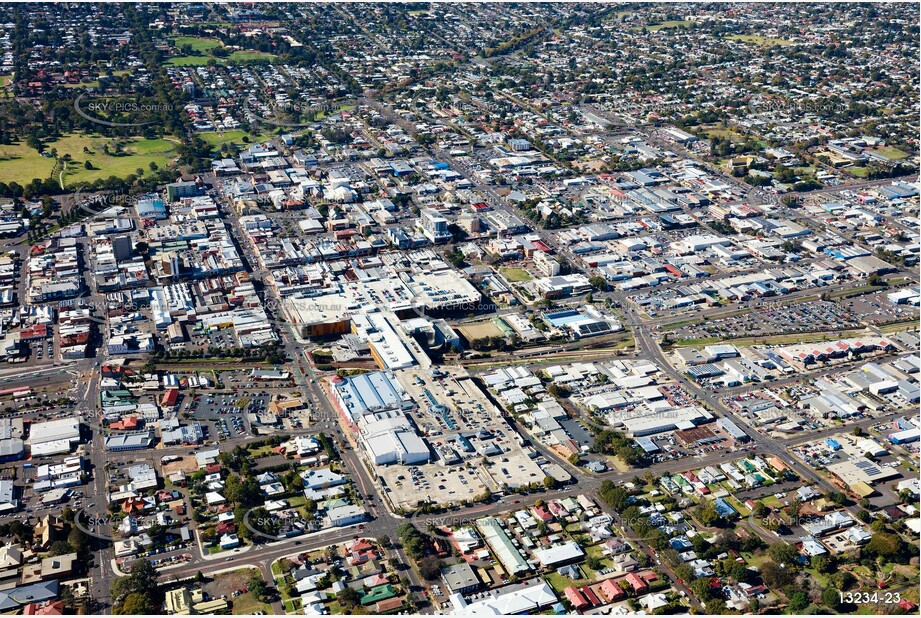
203, 47
197, 43
516, 275
188, 61
760, 41
890, 152
219, 138
249, 55
858, 172
138, 153
19, 163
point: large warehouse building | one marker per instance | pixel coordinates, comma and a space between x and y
391, 440
54, 437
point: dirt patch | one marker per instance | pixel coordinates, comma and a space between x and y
478, 330
185, 464
225, 584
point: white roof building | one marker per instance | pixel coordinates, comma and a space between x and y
392, 440
520, 601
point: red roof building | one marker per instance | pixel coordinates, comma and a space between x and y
575, 598
170, 398
126, 424
590, 596
636, 582
36, 331
612, 590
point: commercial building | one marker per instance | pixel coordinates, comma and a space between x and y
8, 501
732, 430
389, 438
129, 441
54, 437
461, 578
369, 393
510, 602
346, 515
434, 226
559, 555
664, 420
501, 545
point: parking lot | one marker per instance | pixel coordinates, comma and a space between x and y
407, 486
774, 318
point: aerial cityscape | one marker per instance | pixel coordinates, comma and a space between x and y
459, 308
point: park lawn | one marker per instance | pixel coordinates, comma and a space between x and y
249, 55
248, 604
203, 48
755, 561
219, 138
516, 275
138, 153
890, 152
188, 61
197, 43
723, 132
858, 172
262, 451
897, 327
771, 502
761, 41
770, 339
21, 164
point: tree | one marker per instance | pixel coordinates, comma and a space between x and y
831, 598
775, 576
708, 515
550, 482
258, 587
701, 589
136, 604
60, 548
348, 598
886, 545
430, 568
598, 282
783, 553
823, 564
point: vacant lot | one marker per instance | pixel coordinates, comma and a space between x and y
478, 330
